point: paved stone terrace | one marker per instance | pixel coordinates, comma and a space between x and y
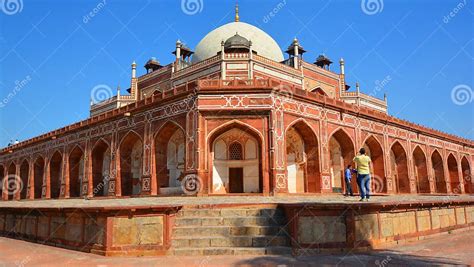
224, 200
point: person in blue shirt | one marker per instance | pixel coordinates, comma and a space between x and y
347, 179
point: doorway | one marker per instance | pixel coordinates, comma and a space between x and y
236, 180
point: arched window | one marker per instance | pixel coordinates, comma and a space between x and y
235, 151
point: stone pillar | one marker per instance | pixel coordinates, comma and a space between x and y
65, 177
4, 183
461, 188
430, 171
447, 177
326, 182
46, 180
146, 170
277, 147
115, 162
18, 188
387, 163
31, 179
87, 180
411, 169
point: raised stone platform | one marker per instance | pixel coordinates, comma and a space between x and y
233, 225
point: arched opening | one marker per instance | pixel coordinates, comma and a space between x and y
76, 172
131, 156
453, 174
466, 174
302, 159
236, 161
100, 168
12, 185
24, 173
438, 171
38, 174
399, 165
2, 173
55, 171
421, 171
169, 158
341, 153
377, 171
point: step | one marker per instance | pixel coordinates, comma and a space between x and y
229, 212
241, 230
233, 241
229, 221
230, 251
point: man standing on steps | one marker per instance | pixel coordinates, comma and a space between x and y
362, 162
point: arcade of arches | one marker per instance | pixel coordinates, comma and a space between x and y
236, 164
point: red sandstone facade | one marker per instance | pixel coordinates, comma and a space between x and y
242, 124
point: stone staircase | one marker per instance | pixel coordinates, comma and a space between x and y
230, 231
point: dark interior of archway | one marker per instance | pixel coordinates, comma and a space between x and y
55, 175
74, 171
312, 173
98, 179
376, 155
453, 174
161, 152
421, 171
24, 172
402, 180
438, 168
466, 174
347, 153
126, 163
38, 177
11, 186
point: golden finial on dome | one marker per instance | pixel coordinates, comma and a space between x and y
237, 18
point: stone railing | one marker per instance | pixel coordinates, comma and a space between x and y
197, 66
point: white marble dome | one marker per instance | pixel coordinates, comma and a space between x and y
262, 43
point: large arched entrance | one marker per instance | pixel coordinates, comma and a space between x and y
466, 174
399, 167
235, 161
438, 171
24, 173
76, 172
38, 175
453, 174
131, 157
341, 152
100, 168
421, 171
12, 184
55, 171
169, 158
374, 151
302, 159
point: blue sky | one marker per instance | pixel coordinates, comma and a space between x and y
53, 53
